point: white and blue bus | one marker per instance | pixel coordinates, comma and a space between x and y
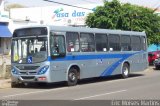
46, 54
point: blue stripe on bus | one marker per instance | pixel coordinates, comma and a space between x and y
88, 57
109, 70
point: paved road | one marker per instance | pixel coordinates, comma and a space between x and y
143, 85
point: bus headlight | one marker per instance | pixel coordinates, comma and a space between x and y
43, 70
14, 71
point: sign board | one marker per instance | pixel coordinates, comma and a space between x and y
29, 59
66, 15
54, 15
4, 16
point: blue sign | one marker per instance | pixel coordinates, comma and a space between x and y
29, 59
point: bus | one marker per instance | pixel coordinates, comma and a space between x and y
48, 54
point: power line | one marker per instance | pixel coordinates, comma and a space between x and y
156, 8
68, 4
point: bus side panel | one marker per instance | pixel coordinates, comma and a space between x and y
106, 65
98, 67
58, 70
88, 68
138, 62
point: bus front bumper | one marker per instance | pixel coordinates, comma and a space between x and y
29, 78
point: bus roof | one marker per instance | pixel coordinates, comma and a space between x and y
87, 30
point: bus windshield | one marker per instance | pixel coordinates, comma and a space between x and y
29, 50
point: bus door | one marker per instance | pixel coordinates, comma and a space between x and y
58, 55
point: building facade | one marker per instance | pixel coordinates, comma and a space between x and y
5, 33
58, 15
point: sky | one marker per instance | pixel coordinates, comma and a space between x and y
39, 3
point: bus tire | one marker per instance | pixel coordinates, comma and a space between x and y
72, 77
125, 70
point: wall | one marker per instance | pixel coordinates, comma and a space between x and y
153, 47
6, 46
60, 15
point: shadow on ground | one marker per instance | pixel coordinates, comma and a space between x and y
81, 82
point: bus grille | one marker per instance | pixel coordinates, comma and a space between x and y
27, 67
27, 77
28, 73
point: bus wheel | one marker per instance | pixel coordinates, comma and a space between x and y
72, 77
125, 70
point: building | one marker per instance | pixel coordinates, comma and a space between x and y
5, 33
5, 41
57, 15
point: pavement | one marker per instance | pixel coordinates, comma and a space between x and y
143, 85
140, 89
6, 83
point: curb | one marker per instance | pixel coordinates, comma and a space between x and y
149, 69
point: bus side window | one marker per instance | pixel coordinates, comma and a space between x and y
101, 42
70, 47
136, 43
57, 46
125, 43
72, 39
76, 46
114, 42
87, 42
143, 43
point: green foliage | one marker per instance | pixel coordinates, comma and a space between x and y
114, 15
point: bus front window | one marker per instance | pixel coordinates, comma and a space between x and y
29, 50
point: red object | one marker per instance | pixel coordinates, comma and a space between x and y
42, 78
152, 56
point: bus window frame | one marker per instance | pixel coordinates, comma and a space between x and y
143, 44
80, 39
75, 42
107, 47
60, 55
130, 47
119, 43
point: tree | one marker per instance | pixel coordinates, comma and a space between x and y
114, 15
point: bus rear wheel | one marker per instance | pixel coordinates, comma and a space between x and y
125, 70
72, 77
